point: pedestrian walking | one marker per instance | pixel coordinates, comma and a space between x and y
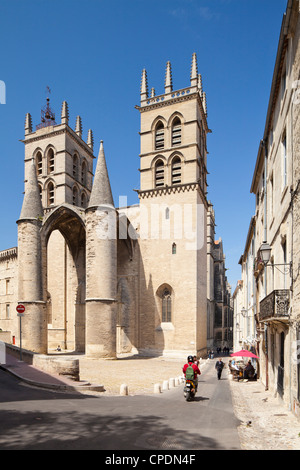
219, 367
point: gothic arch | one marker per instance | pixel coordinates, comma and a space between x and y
50, 186
38, 160
173, 116
165, 296
63, 237
75, 163
50, 166
83, 172
75, 194
173, 155
157, 120
68, 220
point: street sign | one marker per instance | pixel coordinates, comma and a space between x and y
20, 308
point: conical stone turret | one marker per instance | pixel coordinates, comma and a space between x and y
30, 267
32, 205
101, 259
101, 190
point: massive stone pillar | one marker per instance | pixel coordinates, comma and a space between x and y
30, 268
101, 266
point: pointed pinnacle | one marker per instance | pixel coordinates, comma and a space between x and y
64, 113
168, 78
194, 70
28, 124
144, 86
78, 127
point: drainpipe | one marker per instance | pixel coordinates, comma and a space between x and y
264, 143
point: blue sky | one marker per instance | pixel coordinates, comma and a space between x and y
91, 53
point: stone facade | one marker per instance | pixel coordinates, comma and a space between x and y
104, 280
275, 184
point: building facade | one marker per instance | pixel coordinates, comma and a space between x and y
104, 280
271, 287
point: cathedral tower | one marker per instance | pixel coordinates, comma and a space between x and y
64, 161
173, 205
51, 230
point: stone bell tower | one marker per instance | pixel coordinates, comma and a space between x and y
64, 161
173, 204
51, 231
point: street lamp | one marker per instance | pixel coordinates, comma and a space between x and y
265, 253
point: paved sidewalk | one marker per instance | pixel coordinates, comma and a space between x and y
266, 423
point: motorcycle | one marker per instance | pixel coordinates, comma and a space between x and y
189, 390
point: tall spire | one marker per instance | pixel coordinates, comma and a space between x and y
90, 139
64, 113
28, 124
204, 102
200, 84
168, 78
101, 191
144, 86
78, 127
32, 206
194, 70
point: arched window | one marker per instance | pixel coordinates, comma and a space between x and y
176, 170
41, 191
75, 166
83, 173
39, 164
75, 196
50, 194
176, 131
159, 136
50, 159
166, 306
159, 173
83, 200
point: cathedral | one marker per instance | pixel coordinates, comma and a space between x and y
105, 280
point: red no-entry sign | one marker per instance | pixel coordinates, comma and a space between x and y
20, 308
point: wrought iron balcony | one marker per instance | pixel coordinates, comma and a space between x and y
275, 305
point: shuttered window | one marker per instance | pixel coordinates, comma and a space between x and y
159, 136
176, 132
159, 173
176, 170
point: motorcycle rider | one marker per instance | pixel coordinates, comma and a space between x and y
190, 362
